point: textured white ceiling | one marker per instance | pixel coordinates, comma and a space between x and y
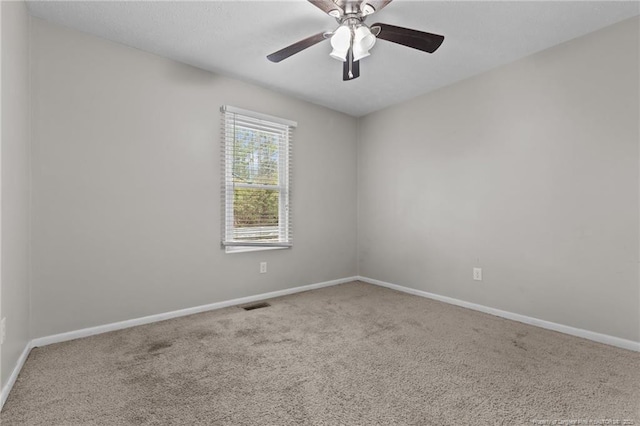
234, 37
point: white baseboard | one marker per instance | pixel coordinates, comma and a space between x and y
86, 332
91, 331
585, 334
14, 374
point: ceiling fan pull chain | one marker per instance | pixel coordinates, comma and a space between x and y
350, 53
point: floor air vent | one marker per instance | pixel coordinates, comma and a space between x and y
256, 306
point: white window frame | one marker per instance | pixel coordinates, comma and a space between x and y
284, 129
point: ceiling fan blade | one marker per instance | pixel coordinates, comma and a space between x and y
378, 5
420, 40
350, 68
296, 47
328, 7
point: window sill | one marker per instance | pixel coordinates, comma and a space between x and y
234, 250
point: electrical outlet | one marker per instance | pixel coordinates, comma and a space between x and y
477, 274
263, 267
3, 330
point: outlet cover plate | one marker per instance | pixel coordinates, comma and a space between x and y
477, 274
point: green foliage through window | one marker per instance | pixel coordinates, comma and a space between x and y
255, 207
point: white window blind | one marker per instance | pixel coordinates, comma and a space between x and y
256, 179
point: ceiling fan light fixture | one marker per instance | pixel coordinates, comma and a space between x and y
363, 41
341, 41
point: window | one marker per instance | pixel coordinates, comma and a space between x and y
256, 190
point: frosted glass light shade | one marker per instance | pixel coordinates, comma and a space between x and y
340, 41
362, 42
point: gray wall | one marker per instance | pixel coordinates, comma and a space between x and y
126, 178
15, 182
529, 171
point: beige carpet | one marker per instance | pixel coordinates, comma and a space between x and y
353, 354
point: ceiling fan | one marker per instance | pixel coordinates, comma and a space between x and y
353, 39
